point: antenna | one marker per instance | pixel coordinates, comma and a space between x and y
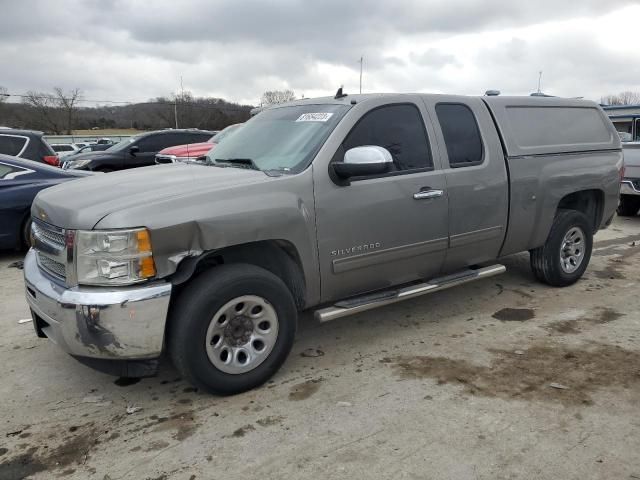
361, 62
339, 93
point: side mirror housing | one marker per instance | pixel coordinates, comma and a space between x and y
134, 149
363, 161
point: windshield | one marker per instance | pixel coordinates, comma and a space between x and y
218, 137
122, 144
285, 138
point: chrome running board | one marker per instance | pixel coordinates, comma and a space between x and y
380, 299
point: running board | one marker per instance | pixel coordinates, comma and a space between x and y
375, 300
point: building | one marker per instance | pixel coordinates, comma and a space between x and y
626, 119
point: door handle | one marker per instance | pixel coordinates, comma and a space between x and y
426, 194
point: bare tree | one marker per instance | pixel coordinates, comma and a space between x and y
68, 104
623, 98
48, 109
273, 97
3, 94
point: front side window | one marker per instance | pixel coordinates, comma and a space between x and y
399, 129
11, 144
285, 139
461, 134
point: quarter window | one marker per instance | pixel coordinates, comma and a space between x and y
11, 144
461, 134
9, 172
399, 129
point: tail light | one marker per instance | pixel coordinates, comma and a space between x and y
52, 160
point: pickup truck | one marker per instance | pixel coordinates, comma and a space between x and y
630, 187
335, 205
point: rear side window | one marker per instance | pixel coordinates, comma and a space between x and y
461, 134
11, 144
399, 129
155, 143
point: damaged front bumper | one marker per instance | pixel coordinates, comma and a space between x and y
96, 324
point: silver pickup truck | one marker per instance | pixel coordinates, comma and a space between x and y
336, 205
630, 187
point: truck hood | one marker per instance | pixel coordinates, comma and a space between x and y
83, 203
190, 150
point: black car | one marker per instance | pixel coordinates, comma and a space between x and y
138, 151
20, 181
27, 144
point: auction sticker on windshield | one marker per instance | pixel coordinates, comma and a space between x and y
314, 117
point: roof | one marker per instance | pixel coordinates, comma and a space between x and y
13, 131
619, 107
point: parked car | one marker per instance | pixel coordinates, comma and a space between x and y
27, 144
64, 149
20, 181
94, 147
630, 187
335, 205
137, 151
194, 151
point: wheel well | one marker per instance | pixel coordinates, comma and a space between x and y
589, 202
279, 257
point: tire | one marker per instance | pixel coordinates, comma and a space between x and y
25, 234
629, 206
206, 309
564, 257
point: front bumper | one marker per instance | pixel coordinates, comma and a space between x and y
627, 187
105, 323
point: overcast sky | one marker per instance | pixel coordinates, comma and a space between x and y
133, 50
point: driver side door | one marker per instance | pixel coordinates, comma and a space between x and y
382, 230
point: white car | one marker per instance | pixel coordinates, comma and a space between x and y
64, 149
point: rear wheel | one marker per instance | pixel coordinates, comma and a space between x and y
629, 206
232, 328
564, 257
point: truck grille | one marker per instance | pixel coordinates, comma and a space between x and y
49, 243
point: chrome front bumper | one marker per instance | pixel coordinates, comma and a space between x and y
115, 323
627, 188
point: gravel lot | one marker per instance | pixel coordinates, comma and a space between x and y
456, 385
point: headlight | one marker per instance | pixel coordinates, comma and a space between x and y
114, 257
76, 163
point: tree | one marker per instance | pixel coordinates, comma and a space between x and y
68, 104
273, 97
46, 105
623, 98
3, 94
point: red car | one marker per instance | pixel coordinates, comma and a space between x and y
193, 151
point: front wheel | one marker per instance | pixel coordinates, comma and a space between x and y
564, 257
231, 328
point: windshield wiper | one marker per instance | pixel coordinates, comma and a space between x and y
239, 162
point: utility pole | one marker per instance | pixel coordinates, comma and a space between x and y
175, 110
361, 61
540, 81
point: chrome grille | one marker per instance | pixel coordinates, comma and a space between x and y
57, 268
49, 234
49, 243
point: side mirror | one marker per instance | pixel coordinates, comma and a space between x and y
134, 149
363, 161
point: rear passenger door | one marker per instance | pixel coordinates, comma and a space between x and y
386, 229
476, 177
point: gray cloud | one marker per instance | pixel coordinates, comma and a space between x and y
134, 49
